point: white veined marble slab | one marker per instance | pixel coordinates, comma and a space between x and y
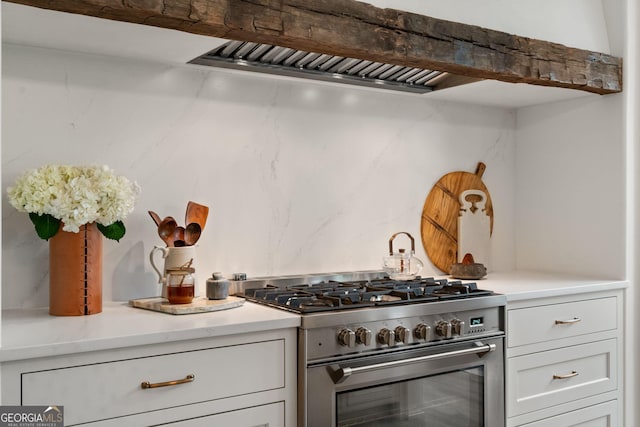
198, 305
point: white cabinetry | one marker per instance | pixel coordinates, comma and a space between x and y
564, 360
267, 415
245, 380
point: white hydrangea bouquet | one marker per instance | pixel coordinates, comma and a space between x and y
74, 196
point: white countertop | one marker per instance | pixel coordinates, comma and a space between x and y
34, 333
524, 285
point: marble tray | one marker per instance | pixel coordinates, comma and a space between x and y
198, 305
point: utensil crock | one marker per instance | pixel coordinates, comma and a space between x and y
174, 257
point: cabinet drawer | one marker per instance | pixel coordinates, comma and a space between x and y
558, 321
259, 416
603, 415
589, 369
112, 389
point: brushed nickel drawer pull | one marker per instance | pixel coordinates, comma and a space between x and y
189, 378
568, 322
565, 376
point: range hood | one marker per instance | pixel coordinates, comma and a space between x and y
266, 58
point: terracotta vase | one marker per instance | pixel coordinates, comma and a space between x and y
75, 272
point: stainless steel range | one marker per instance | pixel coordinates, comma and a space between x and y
378, 352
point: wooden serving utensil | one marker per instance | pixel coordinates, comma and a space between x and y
155, 217
178, 237
166, 228
196, 213
192, 233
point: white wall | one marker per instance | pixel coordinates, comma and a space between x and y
571, 205
301, 177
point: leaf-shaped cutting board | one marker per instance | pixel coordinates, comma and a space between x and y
439, 224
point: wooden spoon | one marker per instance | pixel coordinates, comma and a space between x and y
166, 228
178, 237
192, 233
196, 213
155, 217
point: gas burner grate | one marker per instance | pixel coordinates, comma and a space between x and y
337, 295
307, 302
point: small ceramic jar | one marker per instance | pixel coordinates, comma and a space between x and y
217, 287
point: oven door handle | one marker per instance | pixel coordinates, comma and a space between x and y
339, 374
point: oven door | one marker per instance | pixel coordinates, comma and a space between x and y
446, 385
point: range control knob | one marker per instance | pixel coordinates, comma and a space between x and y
458, 326
443, 329
346, 337
363, 336
385, 336
423, 332
402, 334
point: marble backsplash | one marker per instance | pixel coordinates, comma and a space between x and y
300, 176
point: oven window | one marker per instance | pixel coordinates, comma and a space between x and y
453, 398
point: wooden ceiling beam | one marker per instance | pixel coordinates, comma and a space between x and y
359, 30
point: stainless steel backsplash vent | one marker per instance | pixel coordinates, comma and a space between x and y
296, 63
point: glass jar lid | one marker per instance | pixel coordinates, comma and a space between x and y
183, 269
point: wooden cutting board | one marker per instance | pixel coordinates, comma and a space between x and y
439, 224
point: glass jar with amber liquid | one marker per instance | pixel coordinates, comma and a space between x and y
181, 284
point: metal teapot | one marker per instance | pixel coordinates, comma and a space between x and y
402, 265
